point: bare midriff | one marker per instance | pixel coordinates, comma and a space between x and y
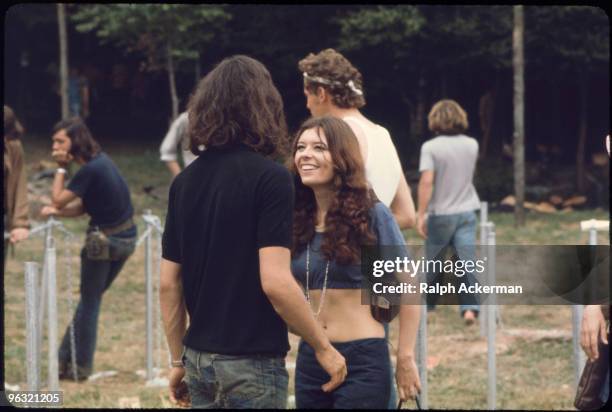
344, 317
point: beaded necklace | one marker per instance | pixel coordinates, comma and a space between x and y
307, 282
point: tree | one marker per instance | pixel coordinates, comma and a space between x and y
63, 58
518, 65
575, 40
426, 46
166, 34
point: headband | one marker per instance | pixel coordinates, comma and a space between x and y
350, 84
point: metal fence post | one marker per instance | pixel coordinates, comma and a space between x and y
42, 290
149, 298
53, 379
32, 329
484, 217
491, 325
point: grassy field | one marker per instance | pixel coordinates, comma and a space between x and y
534, 367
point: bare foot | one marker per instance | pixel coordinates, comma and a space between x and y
469, 317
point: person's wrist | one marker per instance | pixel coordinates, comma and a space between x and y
177, 364
405, 356
323, 346
61, 169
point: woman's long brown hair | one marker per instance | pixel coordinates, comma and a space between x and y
347, 223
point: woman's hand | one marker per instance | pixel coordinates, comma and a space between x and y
407, 378
18, 234
49, 210
62, 157
593, 326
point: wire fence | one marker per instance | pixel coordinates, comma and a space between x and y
41, 304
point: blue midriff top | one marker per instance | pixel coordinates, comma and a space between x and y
346, 276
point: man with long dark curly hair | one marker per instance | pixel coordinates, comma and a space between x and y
226, 257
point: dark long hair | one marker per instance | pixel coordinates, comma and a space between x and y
347, 223
237, 103
84, 146
12, 128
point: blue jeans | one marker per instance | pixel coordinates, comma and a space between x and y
459, 232
604, 395
96, 277
367, 384
235, 382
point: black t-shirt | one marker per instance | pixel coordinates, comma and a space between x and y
104, 192
222, 209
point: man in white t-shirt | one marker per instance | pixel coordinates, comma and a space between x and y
333, 87
447, 198
176, 136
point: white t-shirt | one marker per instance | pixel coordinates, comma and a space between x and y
453, 160
175, 138
383, 167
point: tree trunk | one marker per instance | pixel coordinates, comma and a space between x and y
518, 66
63, 59
487, 112
580, 183
420, 106
198, 70
171, 81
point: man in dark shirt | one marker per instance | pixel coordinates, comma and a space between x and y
99, 190
226, 251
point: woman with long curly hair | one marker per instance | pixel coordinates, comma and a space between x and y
335, 215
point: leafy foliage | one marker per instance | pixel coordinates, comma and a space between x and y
570, 37
152, 28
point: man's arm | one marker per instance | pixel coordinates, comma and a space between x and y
172, 304
169, 147
174, 167
402, 205
425, 191
174, 317
60, 197
288, 301
72, 209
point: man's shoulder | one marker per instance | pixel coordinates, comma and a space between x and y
273, 169
239, 161
183, 118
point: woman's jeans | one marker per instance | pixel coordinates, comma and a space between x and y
96, 277
235, 382
367, 384
457, 231
393, 391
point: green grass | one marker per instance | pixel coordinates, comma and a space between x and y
531, 373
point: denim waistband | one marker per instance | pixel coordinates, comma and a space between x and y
341, 346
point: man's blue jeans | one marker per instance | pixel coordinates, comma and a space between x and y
459, 232
235, 382
96, 277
